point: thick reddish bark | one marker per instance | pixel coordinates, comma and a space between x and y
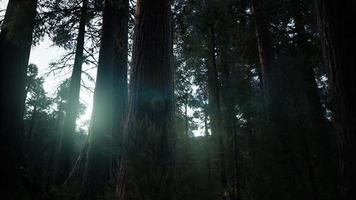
148, 161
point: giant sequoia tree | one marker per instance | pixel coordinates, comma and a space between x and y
254, 116
147, 165
338, 42
15, 45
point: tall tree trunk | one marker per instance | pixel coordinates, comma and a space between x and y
30, 130
208, 156
313, 137
120, 86
229, 121
149, 158
214, 104
99, 151
206, 124
279, 130
338, 40
66, 149
76, 174
264, 42
186, 117
15, 46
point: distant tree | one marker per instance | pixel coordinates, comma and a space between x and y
36, 100
65, 156
229, 124
213, 85
39, 129
43, 119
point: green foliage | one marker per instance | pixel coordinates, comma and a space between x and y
281, 127
35, 94
42, 124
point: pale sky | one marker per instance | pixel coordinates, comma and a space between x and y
45, 53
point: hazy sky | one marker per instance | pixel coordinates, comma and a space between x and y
45, 53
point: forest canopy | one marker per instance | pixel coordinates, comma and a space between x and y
187, 100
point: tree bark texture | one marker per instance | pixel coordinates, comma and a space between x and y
147, 169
